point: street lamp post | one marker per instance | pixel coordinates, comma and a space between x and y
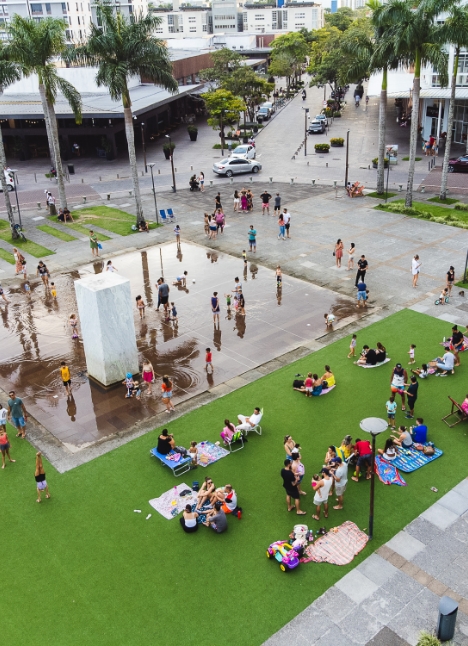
154, 194
388, 173
144, 145
306, 114
14, 171
347, 159
174, 188
374, 426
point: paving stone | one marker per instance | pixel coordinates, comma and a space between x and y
356, 586
410, 569
335, 604
423, 530
403, 587
384, 551
311, 624
287, 635
360, 626
387, 637
462, 488
383, 605
439, 516
406, 545
420, 614
397, 560
437, 587
459, 530
334, 637
456, 502
423, 577
377, 569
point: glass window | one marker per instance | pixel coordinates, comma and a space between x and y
48, 9
64, 7
36, 9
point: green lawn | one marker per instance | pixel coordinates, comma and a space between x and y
448, 200
83, 568
104, 217
66, 237
7, 255
381, 196
436, 211
33, 248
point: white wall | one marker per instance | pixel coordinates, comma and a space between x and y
83, 78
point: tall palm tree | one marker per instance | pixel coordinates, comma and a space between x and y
9, 73
120, 49
35, 46
455, 32
411, 29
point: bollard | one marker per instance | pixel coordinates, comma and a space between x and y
335, 182
326, 164
400, 188
35, 178
368, 167
130, 193
13, 208
428, 165
292, 181
307, 163
108, 197
84, 199
100, 178
38, 205
118, 176
423, 189
159, 171
448, 610
175, 170
293, 157
191, 167
271, 180
142, 174
231, 180
313, 182
211, 182
82, 180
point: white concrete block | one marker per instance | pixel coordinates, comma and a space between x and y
106, 322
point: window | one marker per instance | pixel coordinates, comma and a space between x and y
77, 7
193, 29
462, 75
170, 19
181, 28
64, 7
78, 18
81, 37
299, 25
68, 34
159, 30
36, 9
192, 19
259, 16
299, 15
245, 17
37, 19
48, 9
171, 29
205, 28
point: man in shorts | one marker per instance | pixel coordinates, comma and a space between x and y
364, 451
266, 197
248, 423
340, 476
216, 519
252, 240
17, 414
66, 379
287, 221
277, 204
361, 294
163, 293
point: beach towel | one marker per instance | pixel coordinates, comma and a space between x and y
338, 547
387, 473
209, 453
327, 390
376, 365
408, 460
171, 503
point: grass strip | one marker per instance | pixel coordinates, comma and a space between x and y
56, 233
28, 246
428, 211
381, 196
7, 255
448, 200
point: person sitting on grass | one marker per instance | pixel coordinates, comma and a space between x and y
421, 372
228, 499
143, 225
404, 440
328, 377
189, 520
206, 491
444, 364
318, 386
216, 519
389, 450
368, 357
364, 452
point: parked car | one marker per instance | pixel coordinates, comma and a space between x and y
322, 117
9, 180
234, 166
263, 114
316, 126
459, 165
270, 106
247, 151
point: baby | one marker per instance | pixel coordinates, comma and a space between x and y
193, 453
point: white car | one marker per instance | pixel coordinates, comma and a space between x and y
247, 151
322, 117
269, 104
234, 166
9, 180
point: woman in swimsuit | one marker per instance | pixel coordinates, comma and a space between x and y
147, 372
338, 252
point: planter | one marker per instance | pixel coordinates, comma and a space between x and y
337, 145
193, 136
110, 156
375, 163
322, 151
167, 153
245, 140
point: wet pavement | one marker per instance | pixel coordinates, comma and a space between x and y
35, 337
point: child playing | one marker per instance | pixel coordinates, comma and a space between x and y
73, 323
193, 453
421, 372
279, 276
443, 295
308, 385
209, 361
329, 320
352, 347
137, 389
236, 302
411, 353
228, 301
66, 379
27, 289
140, 303
177, 234
244, 256
391, 410
129, 384
181, 281
53, 290
173, 313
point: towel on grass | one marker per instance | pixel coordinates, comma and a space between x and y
338, 548
325, 391
209, 453
387, 473
376, 365
411, 459
171, 503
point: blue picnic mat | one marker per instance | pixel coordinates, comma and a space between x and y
209, 453
411, 459
387, 472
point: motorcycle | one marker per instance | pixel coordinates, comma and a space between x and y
358, 99
304, 95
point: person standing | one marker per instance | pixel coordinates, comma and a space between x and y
266, 197
218, 204
397, 383
236, 200
287, 221
338, 252
412, 395
17, 414
252, 239
322, 489
166, 390
110, 267
201, 179
450, 279
18, 261
40, 477
277, 204
65, 375
4, 446
93, 243
363, 266
340, 476
361, 294
415, 265
351, 251
281, 227
43, 272
290, 482
215, 307
147, 372
163, 294
51, 203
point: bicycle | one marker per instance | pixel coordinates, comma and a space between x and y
439, 300
17, 232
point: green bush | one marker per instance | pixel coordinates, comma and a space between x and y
337, 115
398, 207
193, 129
460, 206
337, 141
322, 147
330, 101
233, 146
327, 112
427, 639
376, 160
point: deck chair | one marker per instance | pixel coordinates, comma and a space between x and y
237, 437
163, 215
358, 191
170, 215
257, 428
456, 411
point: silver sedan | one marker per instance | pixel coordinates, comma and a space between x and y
230, 167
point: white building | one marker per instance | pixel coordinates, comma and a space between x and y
185, 22
293, 16
226, 16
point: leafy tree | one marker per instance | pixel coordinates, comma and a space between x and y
225, 61
282, 65
341, 19
35, 46
224, 109
9, 73
245, 83
121, 49
292, 47
328, 62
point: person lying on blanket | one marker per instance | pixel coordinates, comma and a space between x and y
368, 357
404, 440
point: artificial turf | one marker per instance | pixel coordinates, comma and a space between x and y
66, 237
83, 568
29, 246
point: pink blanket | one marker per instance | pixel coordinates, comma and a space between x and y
339, 547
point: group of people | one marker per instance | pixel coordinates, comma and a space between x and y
244, 424
215, 504
313, 385
369, 356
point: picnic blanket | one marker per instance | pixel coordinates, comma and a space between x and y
326, 390
337, 547
411, 459
171, 503
387, 473
447, 344
209, 453
376, 365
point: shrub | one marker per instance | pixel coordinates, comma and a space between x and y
398, 207
427, 639
376, 160
168, 146
327, 112
193, 129
218, 146
460, 206
330, 101
322, 147
337, 115
337, 141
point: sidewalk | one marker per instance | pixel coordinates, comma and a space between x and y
394, 594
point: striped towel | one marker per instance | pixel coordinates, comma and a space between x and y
338, 548
411, 459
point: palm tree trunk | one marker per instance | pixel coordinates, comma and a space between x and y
45, 109
414, 128
5, 188
58, 158
448, 141
382, 127
128, 117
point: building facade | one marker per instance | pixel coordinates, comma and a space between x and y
226, 16
268, 18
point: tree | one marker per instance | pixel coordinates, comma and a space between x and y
341, 19
455, 32
245, 83
328, 62
292, 46
35, 46
282, 65
224, 109
9, 73
120, 49
225, 61
410, 28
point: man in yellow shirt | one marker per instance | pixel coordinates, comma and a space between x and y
65, 373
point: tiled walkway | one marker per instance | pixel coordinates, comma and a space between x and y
394, 594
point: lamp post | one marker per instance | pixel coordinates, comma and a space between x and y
174, 188
154, 193
347, 159
14, 171
144, 145
388, 173
374, 426
306, 113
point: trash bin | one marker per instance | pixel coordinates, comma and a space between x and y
448, 609
71, 169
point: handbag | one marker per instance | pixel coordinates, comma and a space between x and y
333, 253
99, 245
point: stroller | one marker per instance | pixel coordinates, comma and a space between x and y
194, 183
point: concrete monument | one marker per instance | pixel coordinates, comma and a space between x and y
106, 321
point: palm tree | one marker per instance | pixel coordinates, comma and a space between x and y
121, 49
34, 46
411, 29
455, 32
9, 73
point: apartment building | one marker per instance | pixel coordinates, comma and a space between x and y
226, 16
183, 22
292, 16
